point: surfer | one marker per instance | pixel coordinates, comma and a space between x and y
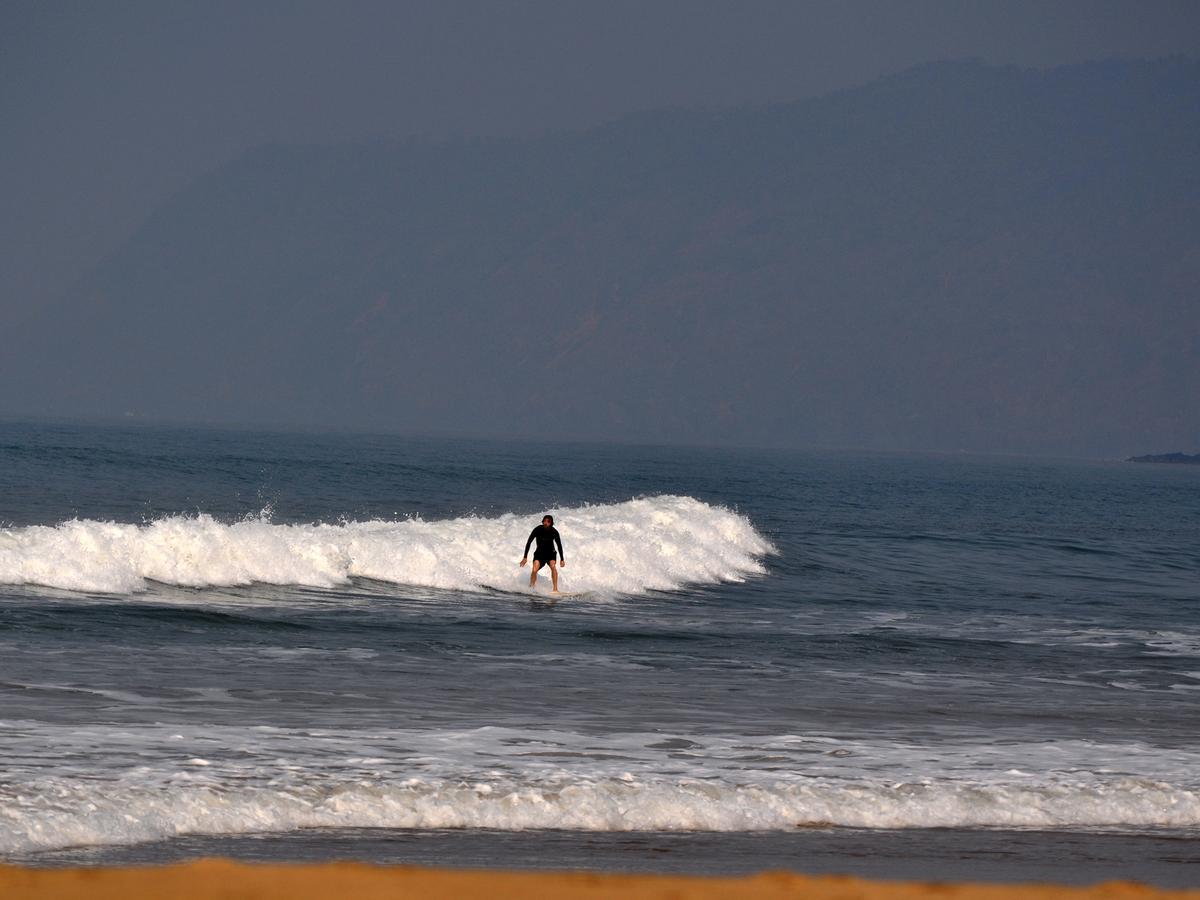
547, 538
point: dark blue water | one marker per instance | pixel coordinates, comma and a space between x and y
209, 632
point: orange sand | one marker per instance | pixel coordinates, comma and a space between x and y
213, 879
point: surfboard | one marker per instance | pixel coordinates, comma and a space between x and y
538, 595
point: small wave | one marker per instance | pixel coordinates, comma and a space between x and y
653, 543
65, 814
150, 782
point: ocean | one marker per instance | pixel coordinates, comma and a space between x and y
299, 646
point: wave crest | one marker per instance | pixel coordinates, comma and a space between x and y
653, 543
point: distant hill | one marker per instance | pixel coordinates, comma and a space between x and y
1184, 459
957, 257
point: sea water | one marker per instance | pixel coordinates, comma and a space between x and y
210, 635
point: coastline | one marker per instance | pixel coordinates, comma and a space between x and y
217, 878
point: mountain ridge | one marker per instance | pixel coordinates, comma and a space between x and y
956, 257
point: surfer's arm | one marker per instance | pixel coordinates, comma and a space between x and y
562, 556
525, 553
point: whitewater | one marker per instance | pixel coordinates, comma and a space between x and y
654, 543
268, 779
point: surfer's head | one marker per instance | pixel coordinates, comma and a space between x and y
548, 521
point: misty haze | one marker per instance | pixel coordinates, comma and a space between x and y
960, 256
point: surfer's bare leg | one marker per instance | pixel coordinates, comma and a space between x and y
533, 573
554, 574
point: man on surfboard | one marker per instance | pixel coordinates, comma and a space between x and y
545, 553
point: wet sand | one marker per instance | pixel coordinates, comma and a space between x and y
212, 879
1162, 859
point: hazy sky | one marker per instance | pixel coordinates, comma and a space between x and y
107, 108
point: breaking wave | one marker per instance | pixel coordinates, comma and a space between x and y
654, 543
143, 783
85, 813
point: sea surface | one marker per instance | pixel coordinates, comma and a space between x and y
308, 646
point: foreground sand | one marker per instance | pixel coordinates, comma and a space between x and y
213, 879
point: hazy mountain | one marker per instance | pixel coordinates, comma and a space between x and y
960, 256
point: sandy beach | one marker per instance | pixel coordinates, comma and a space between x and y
236, 881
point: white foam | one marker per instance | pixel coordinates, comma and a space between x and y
128, 784
654, 543
64, 813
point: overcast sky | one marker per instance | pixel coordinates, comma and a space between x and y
107, 108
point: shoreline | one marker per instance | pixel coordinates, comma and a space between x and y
1164, 860
219, 878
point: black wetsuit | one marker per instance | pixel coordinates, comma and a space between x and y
546, 538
